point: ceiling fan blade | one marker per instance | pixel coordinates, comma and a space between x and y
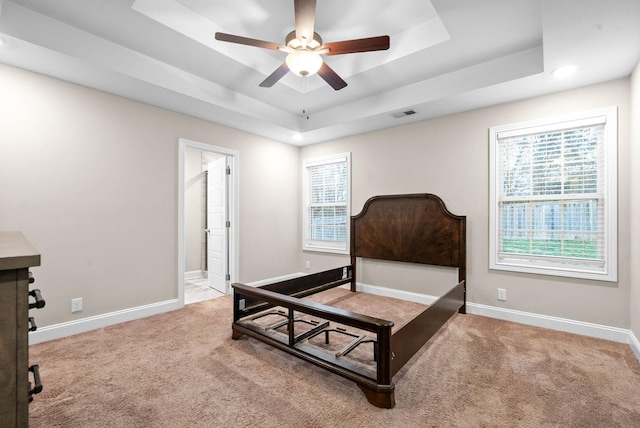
305, 19
275, 76
224, 37
331, 77
379, 43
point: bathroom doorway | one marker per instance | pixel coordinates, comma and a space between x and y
208, 236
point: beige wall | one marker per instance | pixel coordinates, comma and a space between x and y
449, 156
92, 179
634, 196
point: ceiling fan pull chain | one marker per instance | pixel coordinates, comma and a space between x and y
304, 95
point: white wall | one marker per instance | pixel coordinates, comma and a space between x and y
449, 156
92, 181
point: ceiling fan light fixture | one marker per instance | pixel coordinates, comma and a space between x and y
304, 62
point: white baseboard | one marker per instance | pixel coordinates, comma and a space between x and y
425, 299
553, 323
634, 344
57, 331
195, 274
275, 279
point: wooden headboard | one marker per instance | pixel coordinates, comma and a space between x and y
415, 228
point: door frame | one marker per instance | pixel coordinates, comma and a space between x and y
234, 251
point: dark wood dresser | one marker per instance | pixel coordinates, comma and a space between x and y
16, 376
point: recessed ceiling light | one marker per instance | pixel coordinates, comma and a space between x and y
565, 71
297, 137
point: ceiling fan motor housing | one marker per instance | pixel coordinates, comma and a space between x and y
294, 43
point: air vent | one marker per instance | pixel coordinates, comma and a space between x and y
400, 114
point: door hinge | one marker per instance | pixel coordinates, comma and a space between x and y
228, 170
228, 223
227, 277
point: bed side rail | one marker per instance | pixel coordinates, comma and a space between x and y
412, 336
300, 287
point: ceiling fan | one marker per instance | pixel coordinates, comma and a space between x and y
304, 47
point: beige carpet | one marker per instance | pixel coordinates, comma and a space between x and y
182, 369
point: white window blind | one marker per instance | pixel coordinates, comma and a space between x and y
326, 196
553, 196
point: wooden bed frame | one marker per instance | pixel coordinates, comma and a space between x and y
415, 228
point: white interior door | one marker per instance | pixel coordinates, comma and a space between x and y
217, 246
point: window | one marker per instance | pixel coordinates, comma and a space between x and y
553, 196
326, 203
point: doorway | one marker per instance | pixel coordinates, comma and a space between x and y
207, 220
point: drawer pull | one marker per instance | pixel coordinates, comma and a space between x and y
33, 326
39, 303
37, 389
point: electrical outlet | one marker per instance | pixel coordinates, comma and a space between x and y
307, 265
502, 294
76, 304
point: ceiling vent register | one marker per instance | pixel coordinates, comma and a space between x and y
401, 114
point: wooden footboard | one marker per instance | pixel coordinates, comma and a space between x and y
377, 386
392, 351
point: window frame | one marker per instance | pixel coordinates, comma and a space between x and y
337, 247
544, 265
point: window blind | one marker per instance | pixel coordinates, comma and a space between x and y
326, 188
328, 208
551, 202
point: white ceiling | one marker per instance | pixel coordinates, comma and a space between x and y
446, 56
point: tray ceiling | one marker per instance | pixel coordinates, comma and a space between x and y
446, 56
